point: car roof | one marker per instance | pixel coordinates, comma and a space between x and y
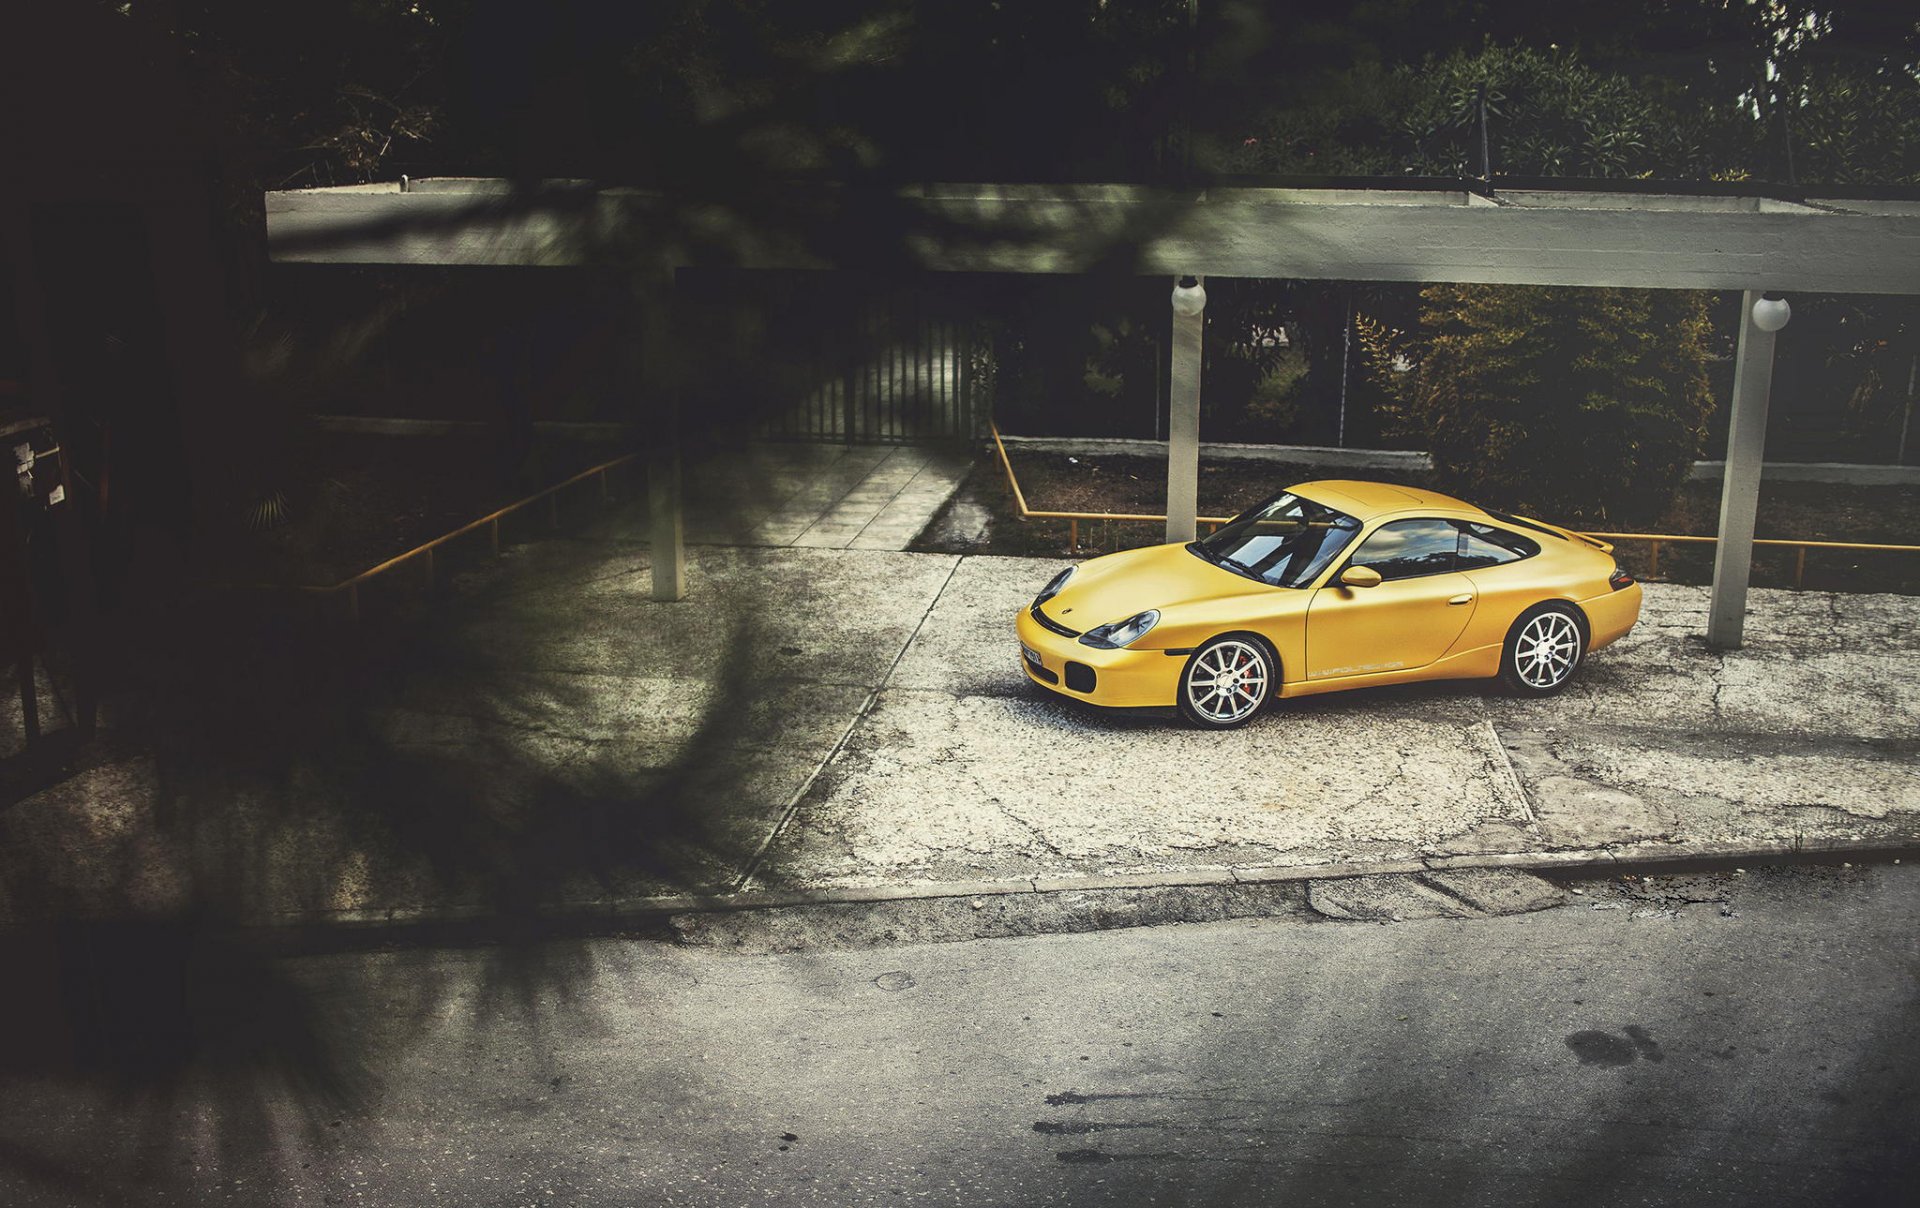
1365, 500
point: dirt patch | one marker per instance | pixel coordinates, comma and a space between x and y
1058, 482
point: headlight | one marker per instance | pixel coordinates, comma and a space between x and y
1053, 587
1121, 633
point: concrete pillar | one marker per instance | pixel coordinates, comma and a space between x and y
1740, 489
661, 378
664, 523
1183, 410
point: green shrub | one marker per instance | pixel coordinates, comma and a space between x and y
1575, 404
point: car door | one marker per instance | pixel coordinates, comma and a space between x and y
1415, 614
1505, 583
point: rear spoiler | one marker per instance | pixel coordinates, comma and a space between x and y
1571, 535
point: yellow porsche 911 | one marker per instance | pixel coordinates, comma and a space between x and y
1328, 585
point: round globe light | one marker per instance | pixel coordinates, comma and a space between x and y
1771, 314
1189, 297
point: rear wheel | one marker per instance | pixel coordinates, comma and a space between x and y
1543, 649
1226, 681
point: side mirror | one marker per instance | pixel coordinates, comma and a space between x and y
1359, 576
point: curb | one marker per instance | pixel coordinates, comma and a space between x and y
657, 916
1662, 857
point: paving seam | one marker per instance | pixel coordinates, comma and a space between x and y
924, 469
866, 706
1505, 764
891, 499
838, 498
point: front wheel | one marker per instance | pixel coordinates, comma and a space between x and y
1226, 681
1543, 649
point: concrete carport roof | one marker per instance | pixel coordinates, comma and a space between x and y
1609, 234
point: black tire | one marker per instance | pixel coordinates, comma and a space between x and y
1243, 673
1544, 648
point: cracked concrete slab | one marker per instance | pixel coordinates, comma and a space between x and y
964, 770
936, 786
1808, 734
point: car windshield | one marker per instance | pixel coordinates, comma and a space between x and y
1285, 541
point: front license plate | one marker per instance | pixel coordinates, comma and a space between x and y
1031, 655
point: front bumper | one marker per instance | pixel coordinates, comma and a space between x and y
1125, 678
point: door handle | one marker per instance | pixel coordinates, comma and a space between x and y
1465, 597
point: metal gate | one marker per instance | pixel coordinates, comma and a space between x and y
901, 370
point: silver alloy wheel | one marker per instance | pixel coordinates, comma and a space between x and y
1547, 650
1227, 682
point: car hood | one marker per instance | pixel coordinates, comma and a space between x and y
1115, 587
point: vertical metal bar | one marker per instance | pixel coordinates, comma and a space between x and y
869, 377
1073, 534
1346, 362
29, 699
1906, 420
963, 378
1653, 568
849, 378
1740, 491
1160, 417
1486, 159
1799, 566
603, 486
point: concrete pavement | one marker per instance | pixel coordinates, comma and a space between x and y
1694, 1042
960, 770
818, 496
850, 724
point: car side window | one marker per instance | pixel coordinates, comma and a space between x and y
1483, 545
1406, 549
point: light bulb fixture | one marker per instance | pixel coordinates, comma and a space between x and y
1189, 296
1771, 313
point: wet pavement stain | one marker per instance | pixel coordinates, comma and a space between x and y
1606, 1049
1066, 1097
1061, 1128
1601, 1048
1100, 1155
1648, 1047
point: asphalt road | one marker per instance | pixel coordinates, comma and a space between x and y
1743, 1040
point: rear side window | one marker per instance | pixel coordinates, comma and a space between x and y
1484, 545
1406, 549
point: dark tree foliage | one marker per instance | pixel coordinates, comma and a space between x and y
1585, 404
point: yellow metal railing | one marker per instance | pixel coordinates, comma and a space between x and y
1800, 548
1655, 540
1073, 519
491, 520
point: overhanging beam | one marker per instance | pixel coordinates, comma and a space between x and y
1537, 237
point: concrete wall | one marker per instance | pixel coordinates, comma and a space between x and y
1404, 462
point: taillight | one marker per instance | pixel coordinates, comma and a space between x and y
1619, 579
